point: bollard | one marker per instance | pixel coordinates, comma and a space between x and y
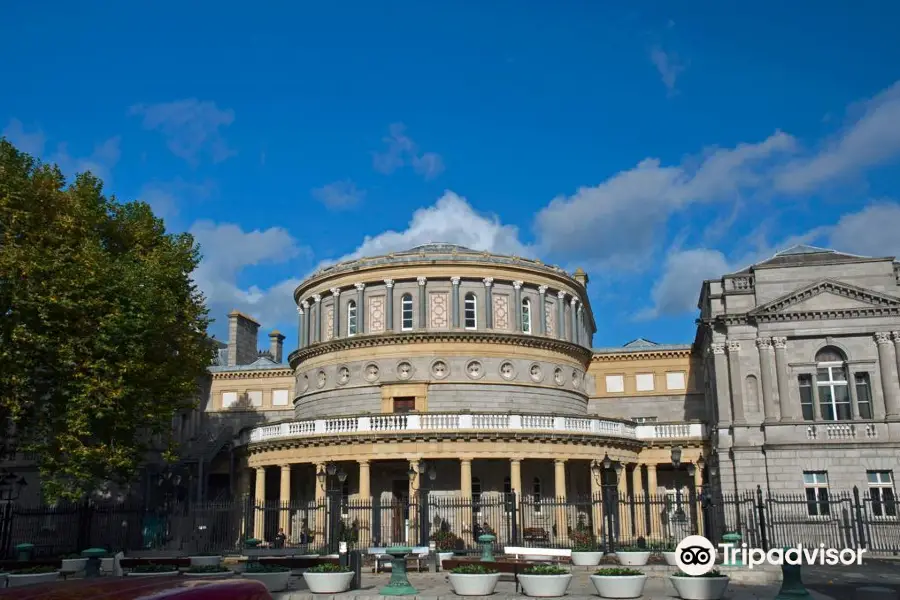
24, 552
343, 559
734, 539
487, 547
399, 584
792, 586
94, 556
356, 567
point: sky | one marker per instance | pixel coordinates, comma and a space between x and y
654, 144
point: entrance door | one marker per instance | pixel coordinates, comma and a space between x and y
400, 510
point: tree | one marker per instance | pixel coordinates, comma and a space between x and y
102, 331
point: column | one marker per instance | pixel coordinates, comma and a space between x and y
637, 493
517, 301
488, 303
515, 476
318, 308
895, 335
259, 521
654, 524
360, 307
624, 508
454, 302
542, 311
306, 322
766, 360
284, 520
582, 332
559, 480
698, 486
336, 313
573, 335
723, 391
790, 410
299, 327
415, 484
888, 377
423, 303
365, 494
734, 372
561, 315
465, 491
389, 305
317, 522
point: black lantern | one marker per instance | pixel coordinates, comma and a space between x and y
676, 456
607, 463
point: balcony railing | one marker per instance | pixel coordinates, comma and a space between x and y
399, 423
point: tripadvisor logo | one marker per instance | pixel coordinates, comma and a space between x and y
696, 555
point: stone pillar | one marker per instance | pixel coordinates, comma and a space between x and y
654, 524
389, 305
624, 507
259, 522
365, 493
299, 327
318, 308
320, 512
415, 485
517, 300
698, 486
284, 515
886, 364
559, 480
336, 313
305, 330
465, 490
734, 373
637, 493
360, 307
423, 303
582, 330
488, 303
573, 335
596, 506
723, 390
515, 476
561, 315
766, 364
790, 411
454, 303
895, 335
541, 321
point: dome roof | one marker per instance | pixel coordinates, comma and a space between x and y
438, 248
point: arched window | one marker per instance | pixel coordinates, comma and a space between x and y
536, 493
406, 312
351, 318
526, 315
471, 311
831, 384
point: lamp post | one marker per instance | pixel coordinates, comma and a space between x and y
600, 469
422, 475
332, 478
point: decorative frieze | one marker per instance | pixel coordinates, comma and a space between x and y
501, 312
439, 310
376, 314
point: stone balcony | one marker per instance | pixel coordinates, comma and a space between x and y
475, 422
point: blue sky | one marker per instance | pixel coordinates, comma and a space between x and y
653, 146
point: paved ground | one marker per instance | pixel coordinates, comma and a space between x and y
840, 581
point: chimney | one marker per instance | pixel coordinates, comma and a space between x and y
242, 339
581, 277
276, 344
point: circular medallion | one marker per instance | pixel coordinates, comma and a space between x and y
439, 369
507, 370
576, 379
536, 373
404, 370
372, 372
321, 378
343, 375
474, 370
303, 382
558, 377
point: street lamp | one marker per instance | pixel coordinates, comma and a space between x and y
11, 486
327, 475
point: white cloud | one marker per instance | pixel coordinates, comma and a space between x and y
676, 292
669, 67
29, 142
339, 195
873, 231
227, 252
167, 197
191, 127
402, 151
619, 222
869, 140
100, 162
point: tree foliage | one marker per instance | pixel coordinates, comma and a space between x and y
102, 331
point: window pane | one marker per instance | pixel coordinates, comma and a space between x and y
890, 505
823, 501
872, 476
825, 400
806, 396
811, 507
809, 478
823, 374
863, 395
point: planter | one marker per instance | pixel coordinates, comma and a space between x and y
700, 588
31, 579
633, 559
206, 561
154, 574
586, 559
107, 564
545, 586
480, 584
619, 586
442, 556
274, 582
73, 565
671, 558
328, 583
220, 575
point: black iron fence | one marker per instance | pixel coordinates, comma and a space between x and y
606, 521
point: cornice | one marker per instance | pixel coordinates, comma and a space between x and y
642, 355
261, 373
423, 337
811, 315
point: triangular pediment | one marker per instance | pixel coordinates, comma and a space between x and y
827, 296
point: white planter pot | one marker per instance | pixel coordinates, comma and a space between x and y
274, 582
107, 564
633, 559
162, 574
671, 559
328, 583
619, 586
206, 561
480, 584
586, 559
442, 556
73, 564
545, 586
222, 575
700, 588
31, 579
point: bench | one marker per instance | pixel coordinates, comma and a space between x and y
538, 554
418, 554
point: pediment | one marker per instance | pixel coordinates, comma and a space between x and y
828, 297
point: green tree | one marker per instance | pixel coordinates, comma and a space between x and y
102, 331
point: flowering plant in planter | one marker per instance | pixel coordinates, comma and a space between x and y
258, 567
545, 570
209, 571
328, 568
473, 580
328, 578
545, 581
444, 541
619, 583
32, 575
633, 556
709, 586
34, 571
274, 577
155, 568
473, 570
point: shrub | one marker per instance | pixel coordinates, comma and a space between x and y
713, 573
257, 567
617, 572
444, 541
545, 570
582, 541
472, 570
328, 568
209, 569
155, 568
34, 571
631, 549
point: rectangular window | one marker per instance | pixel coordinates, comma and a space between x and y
645, 420
644, 382
881, 491
834, 393
615, 384
406, 312
816, 485
280, 397
470, 311
255, 397
675, 381
863, 395
526, 316
806, 396
229, 399
404, 404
